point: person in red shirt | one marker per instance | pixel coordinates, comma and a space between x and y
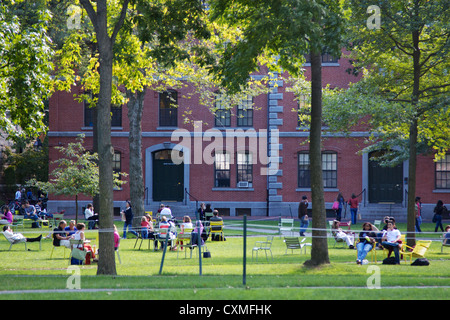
353, 202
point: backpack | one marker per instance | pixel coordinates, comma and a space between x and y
390, 260
420, 262
335, 205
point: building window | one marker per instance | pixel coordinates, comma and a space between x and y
244, 167
329, 170
443, 173
245, 112
222, 169
168, 108
88, 115
116, 115
304, 175
304, 110
117, 162
326, 58
222, 111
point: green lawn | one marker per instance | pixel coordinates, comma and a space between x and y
222, 275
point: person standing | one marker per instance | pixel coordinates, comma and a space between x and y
128, 224
439, 210
418, 209
303, 215
353, 202
341, 202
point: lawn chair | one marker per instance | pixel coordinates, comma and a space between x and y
286, 225
444, 245
139, 232
336, 240
13, 242
57, 217
263, 245
208, 215
377, 224
293, 243
17, 222
419, 250
216, 227
54, 247
184, 242
402, 239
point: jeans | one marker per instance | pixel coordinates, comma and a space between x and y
304, 223
393, 246
130, 228
144, 233
363, 249
418, 223
438, 223
354, 212
338, 214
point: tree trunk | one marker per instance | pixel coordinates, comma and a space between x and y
106, 263
135, 106
319, 249
413, 133
411, 216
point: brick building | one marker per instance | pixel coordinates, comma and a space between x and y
262, 168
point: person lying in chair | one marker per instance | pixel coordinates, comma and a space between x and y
341, 235
14, 237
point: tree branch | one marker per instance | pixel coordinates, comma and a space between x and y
119, 23
91, 13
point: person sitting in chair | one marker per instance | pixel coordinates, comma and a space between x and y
215, 217
15, 237
446, 241
341, 235
366, 240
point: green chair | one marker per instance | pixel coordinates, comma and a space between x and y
263, 245
17, 222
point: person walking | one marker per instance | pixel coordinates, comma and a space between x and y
439, 210
353, 202
418, 209
303, 215
128, 224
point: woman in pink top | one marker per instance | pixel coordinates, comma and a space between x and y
116, 238
7, 217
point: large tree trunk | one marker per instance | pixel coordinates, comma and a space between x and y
411, 216
319, 250
106, 263
413, 133
135, 106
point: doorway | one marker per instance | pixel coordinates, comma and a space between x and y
385, 183
168, 177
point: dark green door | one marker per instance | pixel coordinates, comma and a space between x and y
385, 183
168, 178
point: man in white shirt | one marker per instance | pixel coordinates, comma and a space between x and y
18, 195
166, 212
